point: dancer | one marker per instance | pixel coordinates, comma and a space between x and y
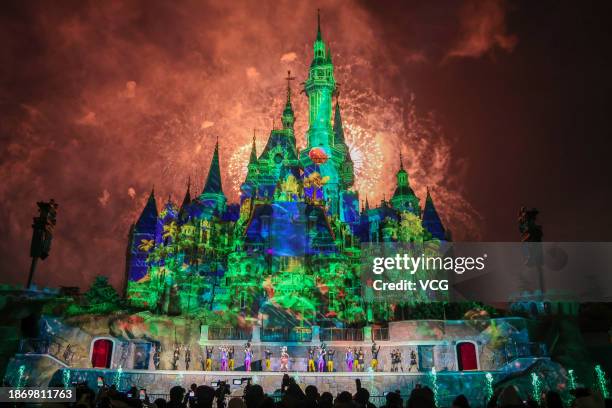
321, 358
350, 359
330, 360
268, 355
284, 359
176, 357
361, 359
230, 356
374, 363
209, 357
187, 357
248, 355
393, 361
156, 355
223, 356
311, 364
413, 361
399, 359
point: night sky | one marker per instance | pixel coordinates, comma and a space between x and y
494, 105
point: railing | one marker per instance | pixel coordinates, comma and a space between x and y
380, 333
525, 349
341, 334
35, 346
229, 333
291, 334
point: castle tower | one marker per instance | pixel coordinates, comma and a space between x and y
326, 151
320, 87
404, 198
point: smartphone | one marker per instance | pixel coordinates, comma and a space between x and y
215, 383
129, 395
100, 382
358, 383
191, 394
237, 381
143, 394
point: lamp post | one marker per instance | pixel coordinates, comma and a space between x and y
42, 234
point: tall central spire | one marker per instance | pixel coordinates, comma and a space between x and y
320, 87
319, 37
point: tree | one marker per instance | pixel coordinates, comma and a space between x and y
101, 292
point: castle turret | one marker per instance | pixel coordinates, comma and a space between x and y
404, 198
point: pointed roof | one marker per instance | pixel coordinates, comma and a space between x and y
253, 157
148, 217
187, 198
401, 164
213, 181
431, 219
338, 129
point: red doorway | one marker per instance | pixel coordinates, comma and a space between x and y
101, 353
466, 356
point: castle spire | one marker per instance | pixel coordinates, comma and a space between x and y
253, 158
148, 216
187, 198
431, 220
338, 129
319, 37
213, 181
288, 118
401, 161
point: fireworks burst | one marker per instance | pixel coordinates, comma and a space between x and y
367, 157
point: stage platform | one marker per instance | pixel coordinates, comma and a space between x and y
43, 370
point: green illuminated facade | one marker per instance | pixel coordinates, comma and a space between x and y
289, 252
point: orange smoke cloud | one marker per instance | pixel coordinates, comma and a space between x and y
119, 97
483, 28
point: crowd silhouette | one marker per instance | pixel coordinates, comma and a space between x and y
291, 395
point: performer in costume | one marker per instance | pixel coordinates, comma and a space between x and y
268, 355
321, 359
176, 356
223, 356
330, 360
399, 359
187, 357
374, 363
361, 359
156, 355
209, 357
284, 359
248, 355
230, 355
393, 361
311, 364
350, 359
413, 361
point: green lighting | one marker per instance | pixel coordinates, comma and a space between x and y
602, 381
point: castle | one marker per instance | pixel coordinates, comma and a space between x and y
290, 249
